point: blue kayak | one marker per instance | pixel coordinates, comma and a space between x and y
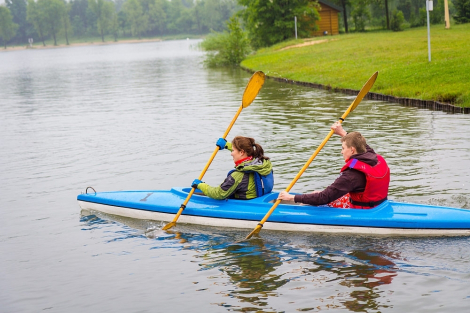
389, 218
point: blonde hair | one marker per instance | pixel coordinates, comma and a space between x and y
356, 140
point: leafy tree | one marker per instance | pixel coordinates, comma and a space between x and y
198, 10
154, 10
384, 5
114, 25
360, 14
37, 17
118, 4
138, 22
66, 20
179, 17
103, 10
18, 11
92, 22
272, 21
343, 4
78, 16
410, 9
7, 27
214, 14
227, 48
122, 22
387, 16
397, 21
463, 11
436, 16
53, 11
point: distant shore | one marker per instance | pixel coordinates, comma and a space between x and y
39, 45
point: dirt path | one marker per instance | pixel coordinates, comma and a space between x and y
308, 43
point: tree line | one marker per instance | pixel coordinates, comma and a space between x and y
267, 22
358, 15
48, 19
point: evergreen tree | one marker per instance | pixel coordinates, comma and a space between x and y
463, 11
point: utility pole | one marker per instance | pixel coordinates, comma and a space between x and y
446, 14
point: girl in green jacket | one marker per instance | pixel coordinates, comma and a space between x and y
252, 176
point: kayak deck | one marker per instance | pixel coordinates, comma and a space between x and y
388, 218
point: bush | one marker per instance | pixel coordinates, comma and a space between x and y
396, 24
463, 11
226, 48
420, 20
361, 15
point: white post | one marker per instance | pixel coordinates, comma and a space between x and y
429, 6
295, 20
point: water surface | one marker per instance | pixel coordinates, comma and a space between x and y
146, 116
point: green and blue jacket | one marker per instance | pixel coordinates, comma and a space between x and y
239, 184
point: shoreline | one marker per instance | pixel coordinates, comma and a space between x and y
424, 104
406, 75
78, 44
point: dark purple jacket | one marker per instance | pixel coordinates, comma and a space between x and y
350, 180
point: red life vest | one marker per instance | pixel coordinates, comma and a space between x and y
378, 179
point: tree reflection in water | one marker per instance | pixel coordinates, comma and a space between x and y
254, 268
250, 266
307, 272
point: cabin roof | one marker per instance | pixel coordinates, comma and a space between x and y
331, 5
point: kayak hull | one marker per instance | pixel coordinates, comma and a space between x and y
389, 218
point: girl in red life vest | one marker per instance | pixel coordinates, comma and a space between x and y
363, 181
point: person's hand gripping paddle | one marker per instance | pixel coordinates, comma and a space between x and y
251, 91
365, 89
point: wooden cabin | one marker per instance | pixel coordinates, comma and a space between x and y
328, 22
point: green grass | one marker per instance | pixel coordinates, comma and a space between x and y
347, 61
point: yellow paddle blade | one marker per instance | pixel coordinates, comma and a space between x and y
365, 89
169, 225
252, 88
253, 232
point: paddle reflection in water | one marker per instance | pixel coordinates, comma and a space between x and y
282, 272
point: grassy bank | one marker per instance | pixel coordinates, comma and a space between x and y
347, 61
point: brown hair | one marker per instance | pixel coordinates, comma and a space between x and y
249, 145
356, 140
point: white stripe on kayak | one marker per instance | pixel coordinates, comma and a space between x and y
222, 222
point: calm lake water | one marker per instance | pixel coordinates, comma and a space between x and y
146, 116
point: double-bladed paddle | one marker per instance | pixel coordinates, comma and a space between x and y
365, 89
251, 91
